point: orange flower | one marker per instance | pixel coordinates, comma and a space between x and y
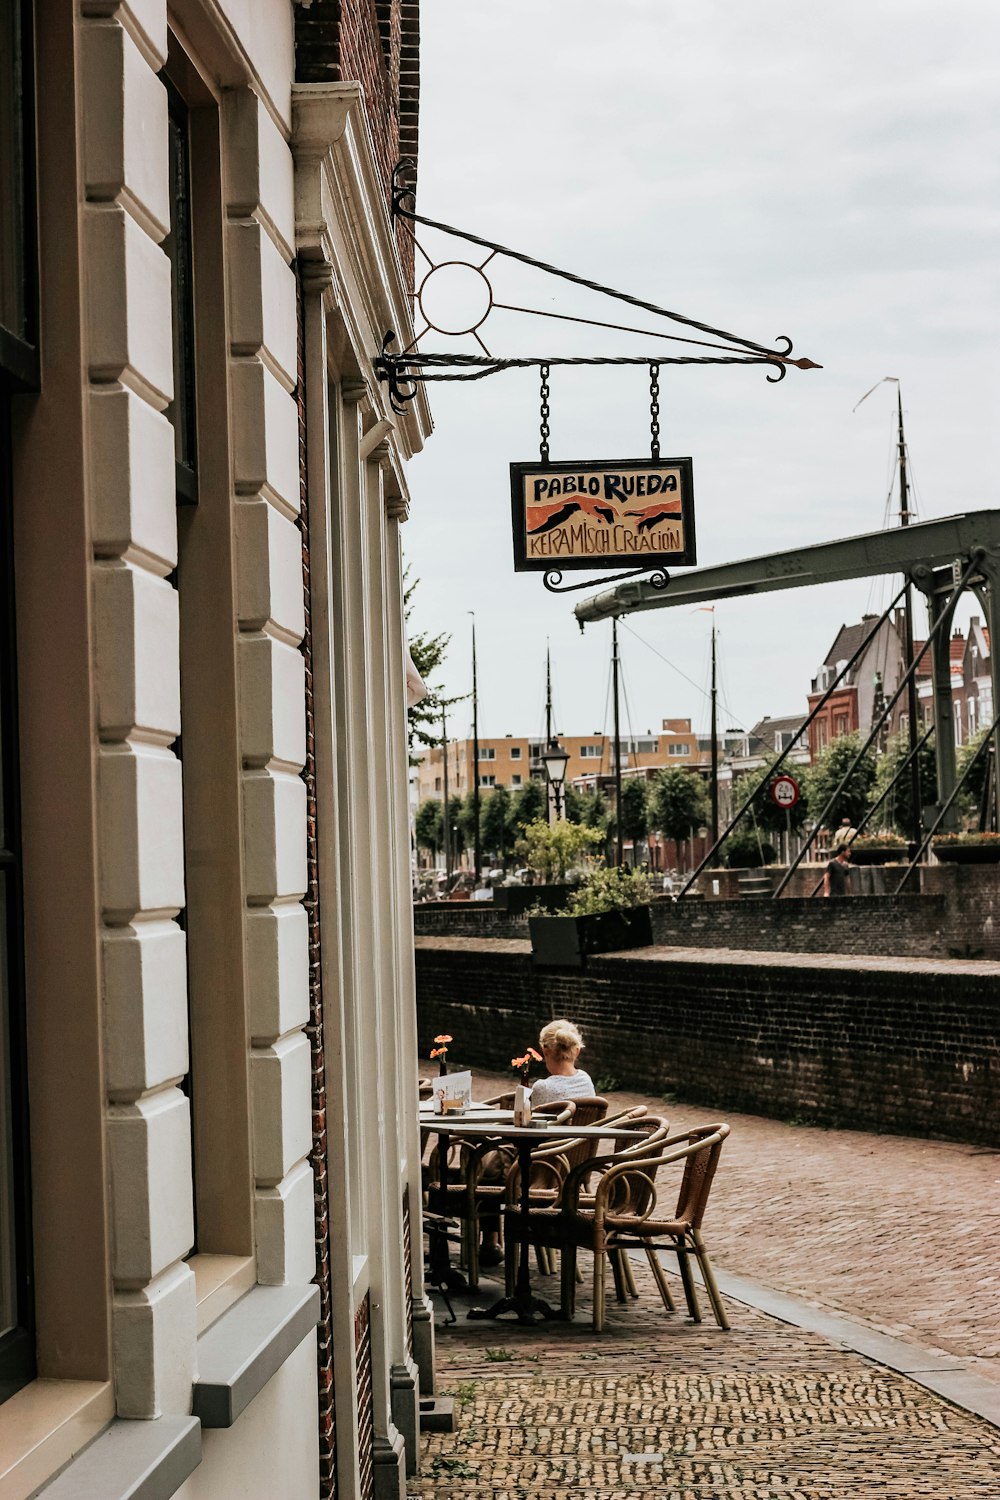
444, 1039
438, 1051
518, 1062
536, 1055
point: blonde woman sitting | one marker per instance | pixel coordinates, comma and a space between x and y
561, 1045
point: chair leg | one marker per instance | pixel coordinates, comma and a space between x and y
708, 1277
661, 1279
690, 1295
510, 1259
599, 1259
569, 1275
615, 1257
471, 1231
629, 1275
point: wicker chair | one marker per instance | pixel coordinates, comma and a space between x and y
547, 1195
621, 1215
476, 1192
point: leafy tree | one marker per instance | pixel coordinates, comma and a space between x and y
971, 795
678, 803
572, 801
897, 809
529, 804
594, 811
769, 816
551, 849
826, 773
429, 825
457, 824
745, 849
635, 809
428, 653
495, 830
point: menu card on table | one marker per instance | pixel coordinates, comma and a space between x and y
452, 1093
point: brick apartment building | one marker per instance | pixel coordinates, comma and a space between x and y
208, 1284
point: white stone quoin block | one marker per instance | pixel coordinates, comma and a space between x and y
277, 970
282, 1107
272, 702
261, 299
154, 1339
125, 127
144, 20
265, 434
269, 571
274, 835
260, 178
127, 282
141, 831
132, 481
145, 1008
137, 630
286, 1230
152, 1214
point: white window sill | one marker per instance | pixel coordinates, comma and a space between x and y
44, 1425
220, 1280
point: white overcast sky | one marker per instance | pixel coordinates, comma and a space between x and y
825, 171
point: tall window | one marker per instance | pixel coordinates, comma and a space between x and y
182, 410
16, 1320
18, 372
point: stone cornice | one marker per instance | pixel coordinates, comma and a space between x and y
342, 219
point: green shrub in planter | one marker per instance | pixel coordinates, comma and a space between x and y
744, 851
614, 889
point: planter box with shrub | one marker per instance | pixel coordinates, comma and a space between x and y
565, 942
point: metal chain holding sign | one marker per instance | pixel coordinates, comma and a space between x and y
543, 431
654, 412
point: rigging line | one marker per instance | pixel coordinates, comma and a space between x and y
676, 338
676, 669
594, 286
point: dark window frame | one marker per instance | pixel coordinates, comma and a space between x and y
19, 373
179, 248
17, 1345
19, 357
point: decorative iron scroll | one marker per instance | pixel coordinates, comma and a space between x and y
404, 370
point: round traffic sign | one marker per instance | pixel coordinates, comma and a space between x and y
785, 792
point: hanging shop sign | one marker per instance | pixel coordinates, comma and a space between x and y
634, 512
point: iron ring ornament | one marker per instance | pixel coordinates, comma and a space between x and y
404, 370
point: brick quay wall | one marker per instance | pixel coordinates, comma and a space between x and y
907, 1046
954, 914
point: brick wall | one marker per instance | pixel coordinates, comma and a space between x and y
955, 915
901, 1046
377, 44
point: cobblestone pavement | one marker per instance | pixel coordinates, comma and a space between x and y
902, 1234
659, 1407
898, 1234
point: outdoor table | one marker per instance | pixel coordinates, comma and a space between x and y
524, 1303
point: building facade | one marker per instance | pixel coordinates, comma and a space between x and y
210, 1255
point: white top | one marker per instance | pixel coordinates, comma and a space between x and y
558, 1086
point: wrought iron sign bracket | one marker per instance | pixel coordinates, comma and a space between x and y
552, 580
403, 370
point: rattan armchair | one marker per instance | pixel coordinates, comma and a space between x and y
621, 1215
476, 1190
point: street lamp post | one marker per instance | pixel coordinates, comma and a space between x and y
555, 760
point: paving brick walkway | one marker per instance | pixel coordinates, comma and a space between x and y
899, 1234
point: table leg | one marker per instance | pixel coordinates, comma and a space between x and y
523, 1302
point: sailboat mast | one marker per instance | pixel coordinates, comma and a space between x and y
916, 815
548, 696
715, 747
477, 844
619, 836
446, 820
